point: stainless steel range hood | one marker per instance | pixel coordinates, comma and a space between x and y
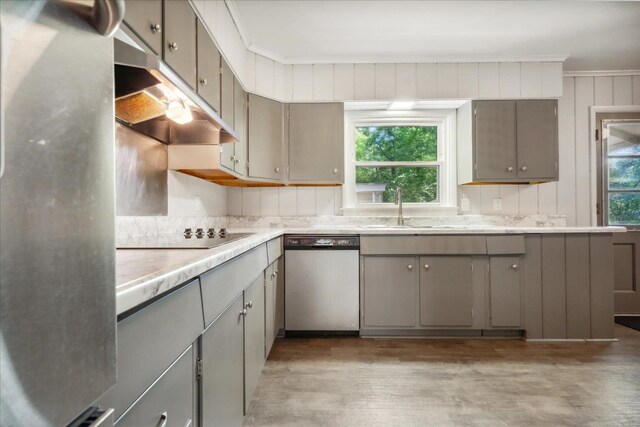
146, 88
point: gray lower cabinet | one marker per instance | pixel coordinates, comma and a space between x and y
222, 384
390, 291
180, 39
208, 68
144, 17
254, 336
265, 138
170, 401
446, 291
505, 291
270, 306
316, 142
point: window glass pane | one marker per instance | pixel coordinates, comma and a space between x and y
623, 148
623, 139
378, 184
397, 144
624, 208
624, 173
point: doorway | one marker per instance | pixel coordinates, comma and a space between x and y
618, 192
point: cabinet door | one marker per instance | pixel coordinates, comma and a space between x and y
169, 400
222, 372
208, 69
226, 92
144, 17
316, 142
495, 139
505, 292
265, 138
254, 337
271, 328
446, 291
537, 135
389, 291
240, 126
180, 39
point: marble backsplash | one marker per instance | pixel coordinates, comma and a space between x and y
452, 220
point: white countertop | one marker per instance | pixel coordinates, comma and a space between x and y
142, 274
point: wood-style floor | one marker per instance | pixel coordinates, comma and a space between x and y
418, 382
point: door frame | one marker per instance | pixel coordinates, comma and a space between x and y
594, 112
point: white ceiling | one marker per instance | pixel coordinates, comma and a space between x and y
594, 35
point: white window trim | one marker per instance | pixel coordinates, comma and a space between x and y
445, 120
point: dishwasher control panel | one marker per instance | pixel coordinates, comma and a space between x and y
321, 242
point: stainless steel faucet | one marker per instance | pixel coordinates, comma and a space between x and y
399, 203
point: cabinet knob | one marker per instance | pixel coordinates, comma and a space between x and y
510, 168
277, 170
410, 267
426, 266
273, 275
203, 81
249, 304
237, 161
233, 158
243, 312
523, 169
514, 266
173, 46
156, 28
163, 419
335, 171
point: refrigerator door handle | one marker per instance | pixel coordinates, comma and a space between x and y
107, 15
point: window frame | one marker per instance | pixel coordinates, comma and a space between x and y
444, 120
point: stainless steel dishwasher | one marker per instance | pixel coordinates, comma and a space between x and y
322, 285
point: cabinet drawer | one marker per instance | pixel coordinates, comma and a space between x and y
274, 249
171, 397
497, 245
150, 340
428, 245
221, 285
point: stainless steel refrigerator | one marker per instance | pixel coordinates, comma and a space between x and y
57, 238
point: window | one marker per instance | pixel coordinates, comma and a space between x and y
622, 174
389, 150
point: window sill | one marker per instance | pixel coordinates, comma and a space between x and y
407, 210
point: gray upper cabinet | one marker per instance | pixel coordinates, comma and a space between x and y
208, 68
254, 337
537, 136
179, 50
446, 291
226, 92
508, 141
222, 372
390, 291
144, 17
505, 291
265, 138
495, 136
240, 126
316, 142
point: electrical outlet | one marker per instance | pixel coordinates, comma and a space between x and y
497, 204
464, 205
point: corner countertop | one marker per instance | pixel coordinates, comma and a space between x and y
142, 274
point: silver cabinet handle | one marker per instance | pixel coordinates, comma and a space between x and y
163, 419
203, 81
243, 312
510, 168
273, 275
410, 267
514, 266
426, 266
335, 171
237, 161
277, 170
233, 158
106, 16
523, 169
173, 46
249, 304
156, 28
